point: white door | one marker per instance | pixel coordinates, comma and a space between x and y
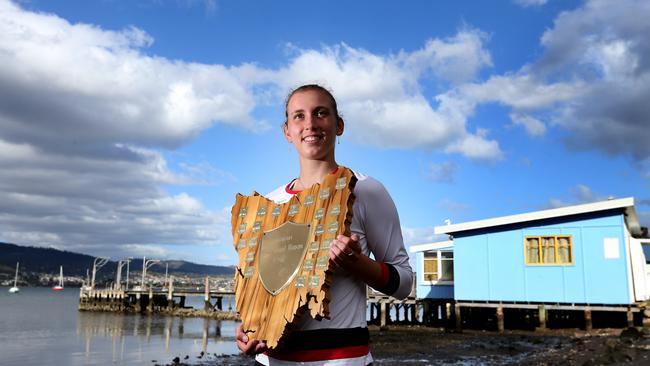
640, 266
646, 252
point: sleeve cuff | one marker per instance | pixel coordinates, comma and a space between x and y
389, 279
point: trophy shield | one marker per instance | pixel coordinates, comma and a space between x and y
284, 268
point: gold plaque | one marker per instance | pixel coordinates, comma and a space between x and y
284, 270
281, 252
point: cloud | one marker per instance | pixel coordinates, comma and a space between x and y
52, 201
533, 126
592, 81
598, 56
381, 94
115, 88
530, 3
89, 111
452, 205
455, 59
83, 112
103, 88
86, 112
205, 173
442, 173
580, 194
421, 235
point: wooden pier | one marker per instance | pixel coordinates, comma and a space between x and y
168, 300
406, 311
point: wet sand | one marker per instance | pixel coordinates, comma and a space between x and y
418, 345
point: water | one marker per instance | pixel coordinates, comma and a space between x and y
41, 327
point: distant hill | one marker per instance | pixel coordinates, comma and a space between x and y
48, 260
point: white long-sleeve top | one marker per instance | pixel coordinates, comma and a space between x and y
376, 222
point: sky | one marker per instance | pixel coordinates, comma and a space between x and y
128, 127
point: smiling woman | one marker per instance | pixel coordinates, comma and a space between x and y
312, 125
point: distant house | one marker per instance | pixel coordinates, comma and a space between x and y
583, 257
434, 268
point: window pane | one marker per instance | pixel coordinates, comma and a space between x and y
447, 270
564, 249
532, 250
430, 267
447, 255
548, 250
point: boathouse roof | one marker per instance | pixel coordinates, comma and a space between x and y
627, 204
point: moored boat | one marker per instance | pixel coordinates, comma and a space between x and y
59, 287
15, 289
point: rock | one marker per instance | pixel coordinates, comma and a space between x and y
631, 333
645, 332
176, 360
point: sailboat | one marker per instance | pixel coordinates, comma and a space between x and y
59, 287
15, 289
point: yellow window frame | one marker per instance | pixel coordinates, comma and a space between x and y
556, 246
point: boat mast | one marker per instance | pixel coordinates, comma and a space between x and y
16, 278
61, 276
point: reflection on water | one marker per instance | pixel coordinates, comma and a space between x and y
119, 327
39, 327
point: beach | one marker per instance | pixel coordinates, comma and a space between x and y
419, 345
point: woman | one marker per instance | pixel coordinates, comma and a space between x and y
312, 126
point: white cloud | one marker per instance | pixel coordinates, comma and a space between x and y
592, 80
533, 126
580, 194
530, 3
88, 111
420, 235
83, 114
380, 94
456, 59
604, 46
453, 205
103, 87
442, 173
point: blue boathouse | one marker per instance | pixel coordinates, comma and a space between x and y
589, 257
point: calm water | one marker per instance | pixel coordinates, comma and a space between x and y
41, 327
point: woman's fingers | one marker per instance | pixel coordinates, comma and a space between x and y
345, 250
247, 346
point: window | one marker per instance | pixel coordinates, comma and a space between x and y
431, 266
556, 249
438, 266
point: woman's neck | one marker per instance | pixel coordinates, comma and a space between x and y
314, 171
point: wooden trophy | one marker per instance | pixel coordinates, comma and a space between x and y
284, 268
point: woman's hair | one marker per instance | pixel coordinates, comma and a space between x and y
308, 87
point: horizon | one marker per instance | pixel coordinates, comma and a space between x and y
129, 127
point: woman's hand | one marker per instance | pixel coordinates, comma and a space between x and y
246, 346
345, 251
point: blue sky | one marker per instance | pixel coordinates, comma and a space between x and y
127, 127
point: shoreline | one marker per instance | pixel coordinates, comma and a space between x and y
419, 345
180, 312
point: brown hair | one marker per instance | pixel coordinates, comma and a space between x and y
308, 87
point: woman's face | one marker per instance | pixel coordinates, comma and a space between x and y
312, 125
